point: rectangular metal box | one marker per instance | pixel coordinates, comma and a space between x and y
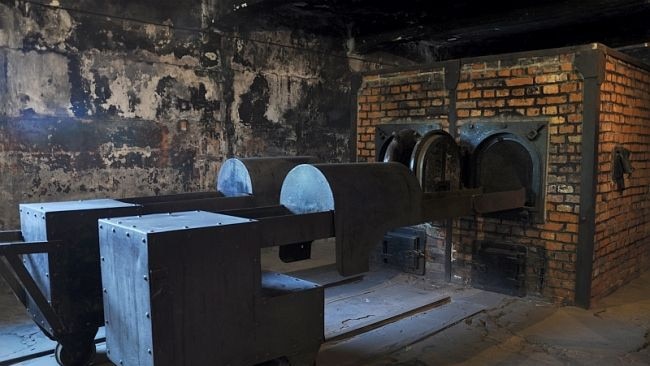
70, 277
187, 289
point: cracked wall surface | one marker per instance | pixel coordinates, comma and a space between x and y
151, 101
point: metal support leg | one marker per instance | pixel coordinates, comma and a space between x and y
23, 284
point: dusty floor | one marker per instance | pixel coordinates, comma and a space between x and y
512, 331
527, 332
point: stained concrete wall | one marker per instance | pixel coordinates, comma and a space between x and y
92, 106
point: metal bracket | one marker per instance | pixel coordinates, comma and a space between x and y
22, 282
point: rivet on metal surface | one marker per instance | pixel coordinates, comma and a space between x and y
128, 234
147, 315
149, 350
119, 222
105, 290
103, 259
144, 241
113, 230
186, 227
106, 321
101, 226
146, 278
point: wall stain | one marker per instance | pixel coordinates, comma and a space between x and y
131, 84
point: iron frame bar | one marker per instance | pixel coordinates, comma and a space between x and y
22, 282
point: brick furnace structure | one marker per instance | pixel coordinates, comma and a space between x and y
592, 234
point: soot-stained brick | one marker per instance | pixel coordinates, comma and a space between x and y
102, 94
134, 100
164, 90
88, 160
254, 104
131, 160
183, 160
228, 99
208, 107
79, 88
44, 135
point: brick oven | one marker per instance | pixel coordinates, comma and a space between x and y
571, 125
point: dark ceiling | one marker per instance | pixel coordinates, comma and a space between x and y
449, 29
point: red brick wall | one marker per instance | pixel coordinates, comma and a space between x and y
622, 247
410, 95
545, 86
539, 86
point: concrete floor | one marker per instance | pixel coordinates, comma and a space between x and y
514, 332
528, 332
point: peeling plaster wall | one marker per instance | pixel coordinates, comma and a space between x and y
92, 106
289, 101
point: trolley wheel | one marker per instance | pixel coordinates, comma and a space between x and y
75, 353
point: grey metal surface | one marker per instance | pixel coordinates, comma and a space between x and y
69, 277
51, 207
234, 179
261, 177
306, 190
173, 221
196, 296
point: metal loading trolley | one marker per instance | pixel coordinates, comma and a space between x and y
187, 288
52, 262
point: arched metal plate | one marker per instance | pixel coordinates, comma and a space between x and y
435, 161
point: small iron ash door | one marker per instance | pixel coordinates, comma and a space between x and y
499, 267
404, 249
